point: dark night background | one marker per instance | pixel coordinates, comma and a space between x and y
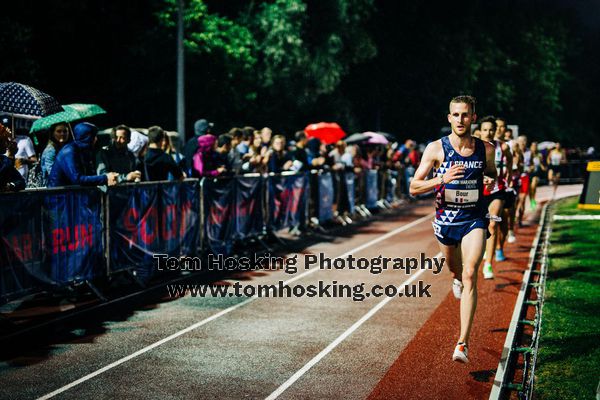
367, 64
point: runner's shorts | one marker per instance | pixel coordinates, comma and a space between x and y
510, 196
525, 184
451, 235
496, 195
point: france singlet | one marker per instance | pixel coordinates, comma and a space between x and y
461, 201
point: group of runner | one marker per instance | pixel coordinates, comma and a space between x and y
481, 183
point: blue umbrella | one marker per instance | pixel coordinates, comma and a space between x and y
23, 101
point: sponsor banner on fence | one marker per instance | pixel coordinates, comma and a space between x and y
349, 178
287, 200
73, 230
219, 214
325, 197
248, 207
21, 251
372, 190
151, 219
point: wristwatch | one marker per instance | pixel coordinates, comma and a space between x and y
441, 179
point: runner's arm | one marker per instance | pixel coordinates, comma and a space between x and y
490, 162
419, 183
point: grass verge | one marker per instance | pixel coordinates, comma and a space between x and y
568, 365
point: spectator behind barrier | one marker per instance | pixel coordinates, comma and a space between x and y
59, 137
204, 159
201, 127
299, 155
116, 157
278, 160
74, 164
223, 153
266, 135
25, 155
10, 179
138, 144
157, 163
254, 158
235, 157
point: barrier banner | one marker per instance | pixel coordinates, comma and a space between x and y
73, 234
325, 197
390, 184
248, 207
21, 252
372, 190
287, 200
150, 219
349, 179
219, 214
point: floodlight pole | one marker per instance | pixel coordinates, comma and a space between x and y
180, 73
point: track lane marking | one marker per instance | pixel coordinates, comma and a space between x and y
284, 386
224, 312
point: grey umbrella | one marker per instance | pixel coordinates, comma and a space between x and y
356, 138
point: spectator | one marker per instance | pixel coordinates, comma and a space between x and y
265, 135
336, 155
10, 179
223, 152
157, 163
235, 158
116, 157
247, 136
204, 159
299, 155
201, 127
277, 158
138, 144
74, 165
59, 136
25, 155
255, 156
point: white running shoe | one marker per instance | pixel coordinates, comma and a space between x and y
511, 238
488, 272
461, 353
457, 288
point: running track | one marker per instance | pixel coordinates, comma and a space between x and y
300, 348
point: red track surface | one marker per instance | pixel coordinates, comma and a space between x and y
425, 370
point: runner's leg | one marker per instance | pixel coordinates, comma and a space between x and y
495, 210
472, 250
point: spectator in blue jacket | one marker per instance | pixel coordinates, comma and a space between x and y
74, 163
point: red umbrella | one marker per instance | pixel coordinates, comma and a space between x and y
328, 132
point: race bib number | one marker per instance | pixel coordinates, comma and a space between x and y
461, 196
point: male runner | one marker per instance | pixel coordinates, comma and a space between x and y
509, 193
525, 178
460, 162
494, 198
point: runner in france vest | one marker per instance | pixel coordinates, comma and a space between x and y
461, 200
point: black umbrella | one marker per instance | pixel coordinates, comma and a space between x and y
23, 101
356, 138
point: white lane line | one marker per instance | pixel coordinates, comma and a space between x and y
339, 340
221, 313
576, 217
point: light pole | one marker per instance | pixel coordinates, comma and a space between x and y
180, 73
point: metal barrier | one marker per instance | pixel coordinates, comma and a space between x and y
49, 238
517, 343
55, 237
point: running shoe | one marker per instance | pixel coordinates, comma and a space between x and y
511, 237
500, 255
460, 353
533, 204
488, 272
457, 288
